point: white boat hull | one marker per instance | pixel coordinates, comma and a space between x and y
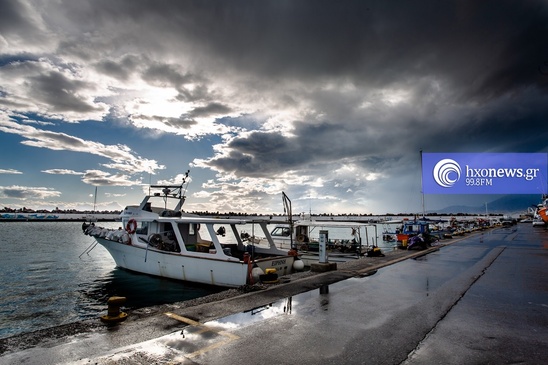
190, 267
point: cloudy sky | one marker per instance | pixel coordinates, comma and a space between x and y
327, 101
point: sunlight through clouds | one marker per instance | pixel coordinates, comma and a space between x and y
331, 104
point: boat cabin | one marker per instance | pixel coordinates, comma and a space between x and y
412, 228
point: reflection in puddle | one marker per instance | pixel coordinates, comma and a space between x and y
289, 305
387, 289
271, 310
324, 297
324, 289
241, 320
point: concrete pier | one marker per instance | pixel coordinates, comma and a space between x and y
481, 299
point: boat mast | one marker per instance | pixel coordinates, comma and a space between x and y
95, 200
287, 209
422, 188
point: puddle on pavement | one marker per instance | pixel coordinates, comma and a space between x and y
387, 289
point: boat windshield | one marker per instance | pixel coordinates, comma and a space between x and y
281, 232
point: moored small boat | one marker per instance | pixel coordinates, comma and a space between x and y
173, 244
345, 240
543, 214
540, 212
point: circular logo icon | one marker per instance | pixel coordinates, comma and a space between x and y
447, 172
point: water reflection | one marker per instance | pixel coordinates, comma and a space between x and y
324, 297
141, 290
257, 314
324, 289
288, 305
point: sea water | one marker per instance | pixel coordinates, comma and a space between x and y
47, 280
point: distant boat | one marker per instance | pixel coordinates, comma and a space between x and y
170, 243
36, 216
541, 214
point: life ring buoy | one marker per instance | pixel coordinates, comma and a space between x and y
131, 226
300, 238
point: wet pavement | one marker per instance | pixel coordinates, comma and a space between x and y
482, 299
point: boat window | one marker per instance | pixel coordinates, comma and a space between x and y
143, 228
167, 240
302, 230
281, 232
184, 230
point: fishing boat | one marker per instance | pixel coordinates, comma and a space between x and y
170, 243
411, 228
390, 229
345, 240
429, 230
542, 209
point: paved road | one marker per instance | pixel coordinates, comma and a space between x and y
482, 300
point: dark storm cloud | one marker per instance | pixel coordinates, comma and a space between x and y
480, 47
169, 75
15, 20
113, 69
10, 15
313, 147
258, 154
176, 123
24, 192
60, 92
164, 74
101, 178
209, 110
484, 56
120, 70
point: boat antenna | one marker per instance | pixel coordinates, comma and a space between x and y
183, 183
183, 191
287, 210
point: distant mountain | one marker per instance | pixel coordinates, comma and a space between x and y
509, 204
